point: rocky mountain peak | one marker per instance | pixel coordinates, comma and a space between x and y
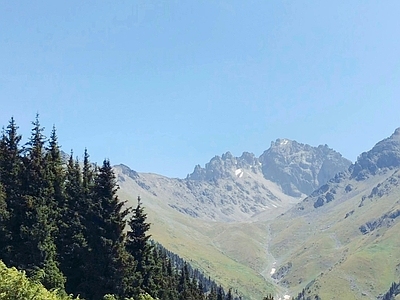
281, 143
384, 155
300, 168
227, 156
225, 166
285, 145
248, 159
127, 171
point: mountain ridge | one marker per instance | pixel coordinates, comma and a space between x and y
230, 188
353, 221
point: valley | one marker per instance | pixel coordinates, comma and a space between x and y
218, 217
260, 236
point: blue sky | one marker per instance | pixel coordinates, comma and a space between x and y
164, 85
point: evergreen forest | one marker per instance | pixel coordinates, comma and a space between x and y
63, 230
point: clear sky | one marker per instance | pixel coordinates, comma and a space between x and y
164, 85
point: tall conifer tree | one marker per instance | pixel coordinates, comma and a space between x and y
38, 250
87, 176
55, 176
71, 240
10, 176
139, 247
108, 264
220, 293
213, 294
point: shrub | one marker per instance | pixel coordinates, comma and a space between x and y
14, 285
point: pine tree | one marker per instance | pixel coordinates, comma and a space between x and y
213, 294
87, 176
55, 176
10, 177
10, 159
160, 279
168, 283
200, 291
184, 283
229, 296
84, 204
139, 247
71, 241
220, 293
109, 266
37, 252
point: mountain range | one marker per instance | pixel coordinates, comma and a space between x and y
232, 188
295, 219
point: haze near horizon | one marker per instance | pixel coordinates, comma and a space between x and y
163, 86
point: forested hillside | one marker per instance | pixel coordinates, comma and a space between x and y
64, 226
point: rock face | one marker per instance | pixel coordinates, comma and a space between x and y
300, 168
385, 154
297, 168
231, 188
379, 161
225, 166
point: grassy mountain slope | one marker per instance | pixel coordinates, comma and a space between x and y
342, 242
207, 245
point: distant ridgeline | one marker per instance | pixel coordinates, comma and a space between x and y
63, 225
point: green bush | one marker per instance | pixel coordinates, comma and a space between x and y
14, 285
141, 297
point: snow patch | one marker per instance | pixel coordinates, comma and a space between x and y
239, 173
284, 142
273, 270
